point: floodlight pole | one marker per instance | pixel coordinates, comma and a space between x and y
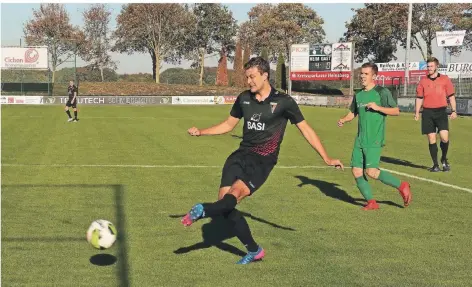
75, 65
290, 71
407, 54
351, 81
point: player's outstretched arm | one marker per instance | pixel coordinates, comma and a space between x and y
313, 139
224, 127
347, 118
352, 113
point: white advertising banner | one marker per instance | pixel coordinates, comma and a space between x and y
12, 100
21, 100
313, 100
341, 57
24, 58
320, 101
456, 70
33, 100
193, 100
300, 55
397, 66
450, 38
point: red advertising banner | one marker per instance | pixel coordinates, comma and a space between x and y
394, 77
320, 76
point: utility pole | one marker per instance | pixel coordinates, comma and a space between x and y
351, 81
407, 54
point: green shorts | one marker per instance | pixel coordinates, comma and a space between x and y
366, 157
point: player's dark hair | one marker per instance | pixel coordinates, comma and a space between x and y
261, 64
433, 60
371, 65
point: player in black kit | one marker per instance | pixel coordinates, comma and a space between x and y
265, 112
72, 102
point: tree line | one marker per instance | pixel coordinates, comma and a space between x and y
175, 75
174, 32
379, 29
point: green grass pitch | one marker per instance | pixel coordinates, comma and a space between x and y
137, 167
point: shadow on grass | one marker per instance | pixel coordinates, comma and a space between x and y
332, 190
103, 259
217, 230
401, 162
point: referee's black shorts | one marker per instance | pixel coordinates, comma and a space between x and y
249, 167
73, 105
434, 120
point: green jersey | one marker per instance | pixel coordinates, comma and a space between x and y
371, 124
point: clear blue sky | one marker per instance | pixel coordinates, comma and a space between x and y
14, 16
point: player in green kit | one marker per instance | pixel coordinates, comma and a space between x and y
372, 105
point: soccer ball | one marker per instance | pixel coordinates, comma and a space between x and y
101, 234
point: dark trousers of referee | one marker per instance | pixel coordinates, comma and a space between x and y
435, 120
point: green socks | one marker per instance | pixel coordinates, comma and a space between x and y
384, 176
388, 179
364, 188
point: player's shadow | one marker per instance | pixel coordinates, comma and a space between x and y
401, 162
237, 137
332, 190
213, 234
218, 230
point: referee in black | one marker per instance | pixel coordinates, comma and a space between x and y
72, 102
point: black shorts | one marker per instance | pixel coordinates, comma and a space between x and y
434, 120
73, 105
251, 168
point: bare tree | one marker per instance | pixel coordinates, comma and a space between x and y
51, 27
96, 48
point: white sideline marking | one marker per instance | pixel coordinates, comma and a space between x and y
146, 166
220, 166
112, 118
430, 180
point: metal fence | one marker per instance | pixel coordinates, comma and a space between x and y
462, 85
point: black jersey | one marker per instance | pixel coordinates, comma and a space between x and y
71, 90
265, 122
